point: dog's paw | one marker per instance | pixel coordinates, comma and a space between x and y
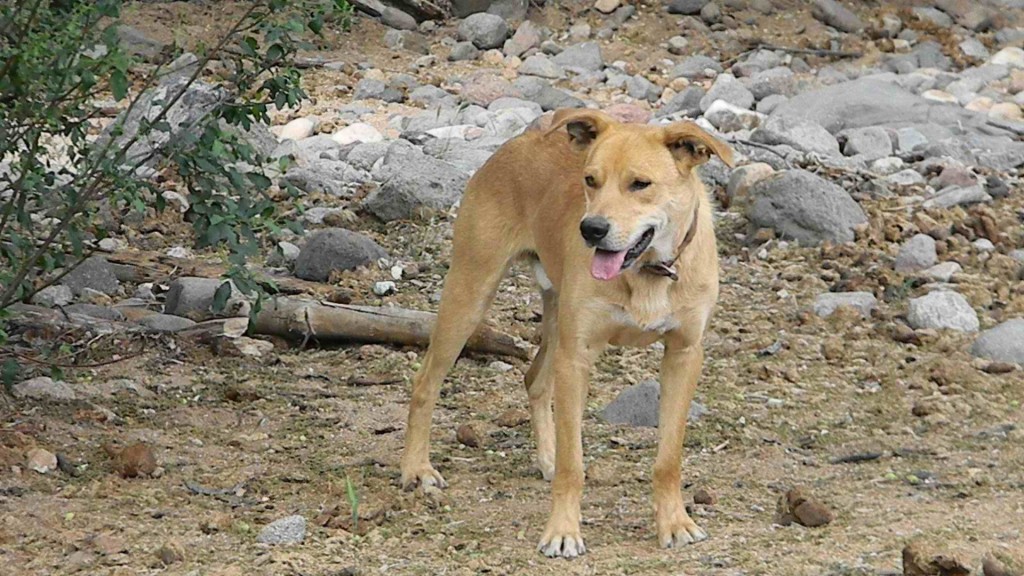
677, 529
423, 475
564, 543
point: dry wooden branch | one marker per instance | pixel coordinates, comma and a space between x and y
304, 319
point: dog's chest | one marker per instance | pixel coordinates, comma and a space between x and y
644, 317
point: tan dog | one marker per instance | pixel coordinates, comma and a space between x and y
619, 226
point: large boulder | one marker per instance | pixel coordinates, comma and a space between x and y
801, 206
797, 133
335, 250
484, 30
412, 182
1003, 343
942, 310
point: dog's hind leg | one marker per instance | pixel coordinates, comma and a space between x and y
538, 388
479, 260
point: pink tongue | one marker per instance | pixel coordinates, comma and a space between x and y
607, 265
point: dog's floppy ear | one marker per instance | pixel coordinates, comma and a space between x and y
583, 126
692, 146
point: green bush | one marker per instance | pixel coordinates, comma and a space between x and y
59, 58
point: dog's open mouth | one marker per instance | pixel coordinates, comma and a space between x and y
607, 264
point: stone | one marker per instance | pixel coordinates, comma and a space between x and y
779, 80
695, 67
685, 103
942, 310
868, 144
769, 103
801, 206
743, 179
384, 288
40, 460
921, 560
397, 19
463, 51
837, 16
1010, 56
800, 134
193, 298
53, 296
686, 7
484, 30
509, 10
541, 66
909, 139
581, 57
468, 436
640, 88
335, 250
95, 311
431, 96
907, 177
942, 272
137, 43
330, 177
1006, 111
916, 254
729, 89
933, 15
287, 530
482, 89
729, 118
165, 323
957, 196
628, 113
547, 96
579, 32
678, 45
134, 461
357, 133
637, 405
1002, 343
797, 506
412, 182
43, 388
407, 40
863, 302
973, 48
527, 36
373, 89
94, 273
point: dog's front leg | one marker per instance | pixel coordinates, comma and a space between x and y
571, 363
680, 369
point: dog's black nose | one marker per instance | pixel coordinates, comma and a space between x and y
594, 229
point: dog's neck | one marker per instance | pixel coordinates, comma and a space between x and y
667, 268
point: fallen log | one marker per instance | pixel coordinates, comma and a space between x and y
298, 319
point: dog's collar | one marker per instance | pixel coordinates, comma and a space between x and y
667, 268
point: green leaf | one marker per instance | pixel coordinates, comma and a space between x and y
118, 84
220, 297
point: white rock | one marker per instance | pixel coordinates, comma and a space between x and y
942, 310
917, 253
384, 288
983, 245
943, 271
358, 132
730, 118
826, 304
939, 96
1010, 56
298, 129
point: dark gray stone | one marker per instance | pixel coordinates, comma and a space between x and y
867, 143
484, 30
694, 68
192, 297
778, 80
801, 206
581, 57
686, 103
1003, 343
543, 93
837, 16
728, 88
53, 296
413, 181
637, 405
686, 7
165, 323
916, 254
372, 89
463, 51
332, 177
94, 273
335, 250
397, 19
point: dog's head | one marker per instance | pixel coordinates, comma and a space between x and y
641, 189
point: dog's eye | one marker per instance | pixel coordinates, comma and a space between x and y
590, 182
638, 185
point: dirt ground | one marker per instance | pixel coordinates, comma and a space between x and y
288, 431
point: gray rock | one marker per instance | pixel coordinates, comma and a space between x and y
1000, 153
441, 117
637, 405
641, 88
929, 55
464, 155
542, 66
95, 311
910, 139
407, 40
527, 36
463, 8
431, 95
397, 19
463, 51
779, 80
711, 13
678, 45
365, 154
338, 179
484, 30
695, 67
413, 181
728, 88
193, 298
510, 122
1003, 343
53, 296
973, 48
728, 118
581, 57
917, 253
769, 103
547, 96
801, 206
372, 89
506, 103
165, 323
686, 7
283, 255
797, 133
335, 250
867, 143
826, 304
837, 16
43, 388
137, 43
686, 103
932, 15
288, 530
511, 10
907, 177
94, 273
942, 310
943, 271
957, 196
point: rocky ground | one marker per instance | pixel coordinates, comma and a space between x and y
867, 348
